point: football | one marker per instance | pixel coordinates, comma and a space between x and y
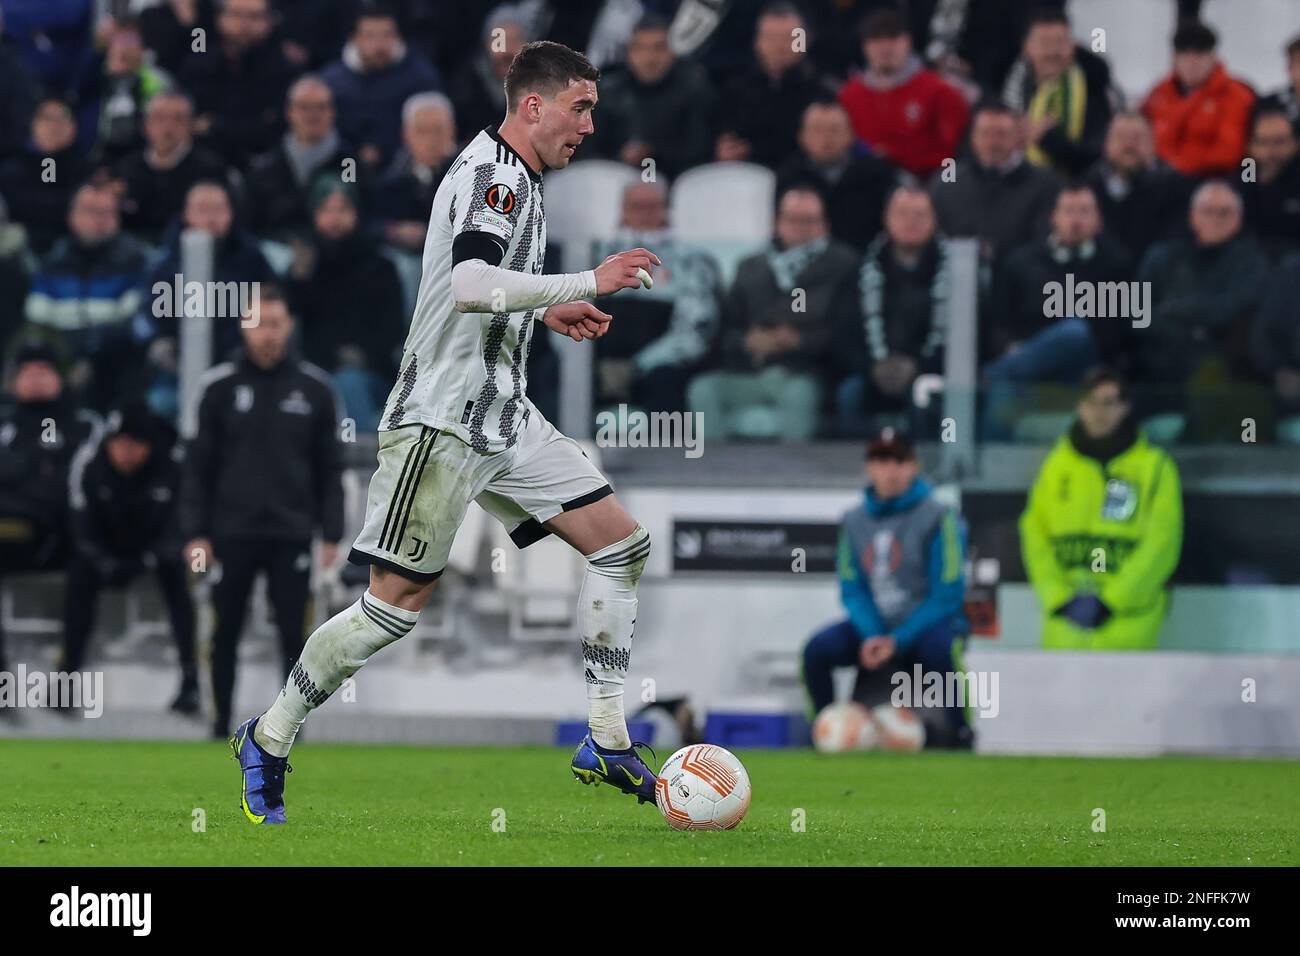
898, 728
703, 787
843, 727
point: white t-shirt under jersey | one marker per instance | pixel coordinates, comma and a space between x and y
465, 372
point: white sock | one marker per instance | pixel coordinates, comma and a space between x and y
606, 615
334, 652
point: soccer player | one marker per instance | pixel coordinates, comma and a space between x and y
458, 428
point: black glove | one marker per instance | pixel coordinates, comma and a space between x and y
1085, 610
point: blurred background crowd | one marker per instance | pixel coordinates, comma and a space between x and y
308, 138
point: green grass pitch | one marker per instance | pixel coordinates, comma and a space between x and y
79, 803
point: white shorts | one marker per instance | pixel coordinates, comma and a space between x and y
427, 478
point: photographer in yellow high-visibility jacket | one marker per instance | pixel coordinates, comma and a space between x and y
1104, 527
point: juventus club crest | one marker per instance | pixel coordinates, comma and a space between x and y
418, 548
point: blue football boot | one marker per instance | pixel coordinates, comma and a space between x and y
619, 768
263, 797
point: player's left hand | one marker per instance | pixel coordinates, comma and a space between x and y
578, 320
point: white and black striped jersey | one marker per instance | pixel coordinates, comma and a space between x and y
461, 372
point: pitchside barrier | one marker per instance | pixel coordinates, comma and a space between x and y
737, 580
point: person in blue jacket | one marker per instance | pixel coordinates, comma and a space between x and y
901, 571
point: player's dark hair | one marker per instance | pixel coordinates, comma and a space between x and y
545, 67
1105, 375
1293, 49
1193, 36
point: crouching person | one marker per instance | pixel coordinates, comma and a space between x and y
901, 558
123, 498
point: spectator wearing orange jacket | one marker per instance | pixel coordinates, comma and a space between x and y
1199, 113
904, 112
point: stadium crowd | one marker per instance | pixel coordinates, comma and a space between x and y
308, 139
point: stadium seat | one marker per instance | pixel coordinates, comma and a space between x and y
146, 629
583, 202
1044, 427
756, 423
30, 603
1288, 431
1164, 429
723, 201
131, 624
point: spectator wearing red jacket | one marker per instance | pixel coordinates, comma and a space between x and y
1200, 114
903, 111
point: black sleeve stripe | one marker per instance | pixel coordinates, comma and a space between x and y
477, 245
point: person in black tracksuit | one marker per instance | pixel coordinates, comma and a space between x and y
123, 495
40, 432
262, 477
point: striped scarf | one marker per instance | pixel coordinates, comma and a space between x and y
788, 264
1063, 99
871, 291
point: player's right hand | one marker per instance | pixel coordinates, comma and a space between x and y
619, 271
578, 320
